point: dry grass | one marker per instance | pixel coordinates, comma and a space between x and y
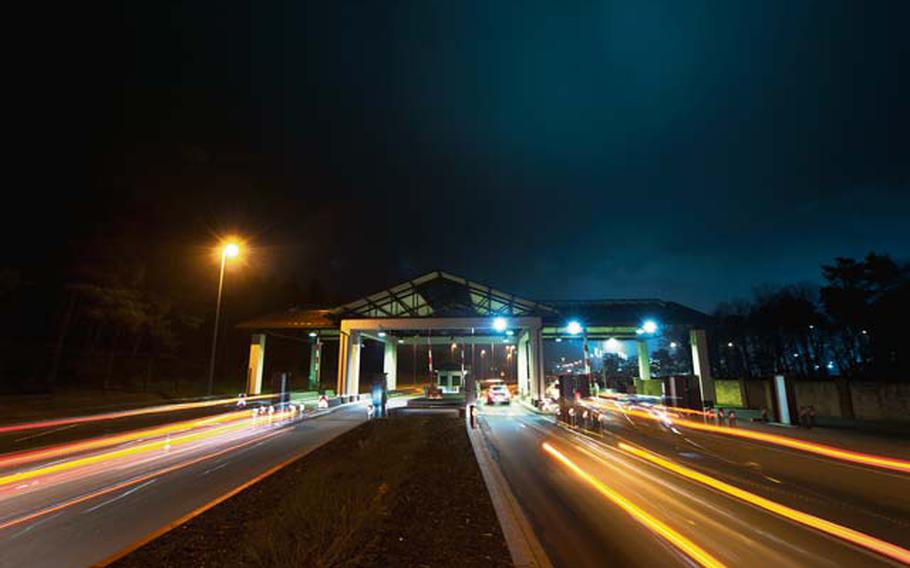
398, 492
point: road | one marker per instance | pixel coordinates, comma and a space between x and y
81, 507
595, 502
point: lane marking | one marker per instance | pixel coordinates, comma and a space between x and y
194, 513
841, 454
127, 413
850, 535
38, 435
121, 496
203, 508
30, 527
127, 483
217, 467
685, 545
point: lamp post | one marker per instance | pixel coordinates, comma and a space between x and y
230, 250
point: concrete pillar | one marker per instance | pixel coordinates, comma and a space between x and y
535, 360
701, 365
390, 365
348, 362
315, 364
524, 379
256, 364
352, 381
644, 360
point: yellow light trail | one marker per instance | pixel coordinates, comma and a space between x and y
124, 484
691, 549
127, 413
873, 460
151, 446
59, 450
866, 541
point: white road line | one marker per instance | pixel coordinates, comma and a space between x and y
217, 467
121, 496
33, 525
45, 433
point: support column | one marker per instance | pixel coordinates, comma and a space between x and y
315, 365
644, 360
352, 379
344, 349
701, 365
256, 364
524, 379
390, 365
535, 359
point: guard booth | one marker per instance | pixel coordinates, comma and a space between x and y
451, 378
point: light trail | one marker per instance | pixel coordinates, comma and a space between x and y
128, 413
853, 536
124, 484
873, 460
29, 456
691, 549
147, 447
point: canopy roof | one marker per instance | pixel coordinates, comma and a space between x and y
439, 294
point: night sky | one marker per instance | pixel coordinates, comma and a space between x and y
683, 150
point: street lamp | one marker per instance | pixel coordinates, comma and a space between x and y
230, 250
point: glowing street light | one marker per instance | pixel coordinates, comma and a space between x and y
574, 327
650, 326
500, 324
229, 250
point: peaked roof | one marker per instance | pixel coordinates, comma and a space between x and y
440, 294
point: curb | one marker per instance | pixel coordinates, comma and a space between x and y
525, 549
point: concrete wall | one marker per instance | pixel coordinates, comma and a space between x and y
653, 387
881, 401
820, 394
758, 394
729, 393
871, 400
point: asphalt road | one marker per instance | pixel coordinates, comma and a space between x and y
579, 526
81, 514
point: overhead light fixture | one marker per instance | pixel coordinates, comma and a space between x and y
381, 334
574, 327
500, 324
649, 326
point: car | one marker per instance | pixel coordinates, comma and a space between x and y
498, 394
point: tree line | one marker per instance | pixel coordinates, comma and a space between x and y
851, 326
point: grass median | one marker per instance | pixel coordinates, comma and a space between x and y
398, 492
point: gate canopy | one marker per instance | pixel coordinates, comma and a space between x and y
440, 294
